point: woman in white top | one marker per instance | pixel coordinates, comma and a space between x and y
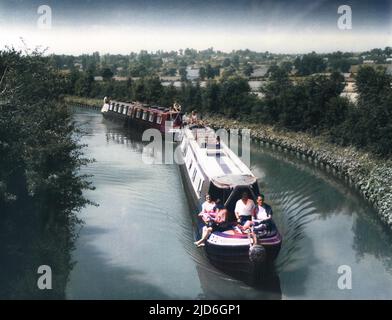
207, 209
208, 214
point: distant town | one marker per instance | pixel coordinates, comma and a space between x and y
190, 65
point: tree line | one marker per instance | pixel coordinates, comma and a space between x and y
40, 181
313, 104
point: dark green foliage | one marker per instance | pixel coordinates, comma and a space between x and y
310, 64
212, 71
370, 122
107, 74
84, 84
40, 185
202, 73
248, 70
183, 73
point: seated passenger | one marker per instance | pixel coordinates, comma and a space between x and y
219, 223
207, 209
194, 118
218, 205
261, 218
217, 143
244, 209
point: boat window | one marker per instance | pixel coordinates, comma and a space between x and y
120, 109
144, 115
125, 110
190, 165
194, 175
151, 117
199, 186
130, 109
159, 119
138, 113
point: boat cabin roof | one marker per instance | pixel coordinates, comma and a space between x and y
145, 107
222, 166
233, 180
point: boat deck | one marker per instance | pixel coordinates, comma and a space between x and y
215, 162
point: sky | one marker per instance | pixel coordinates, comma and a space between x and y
119, 26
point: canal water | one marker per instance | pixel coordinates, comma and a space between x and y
138, 244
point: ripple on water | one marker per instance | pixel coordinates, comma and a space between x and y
146, 229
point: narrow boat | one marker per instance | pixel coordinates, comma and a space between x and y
143, 116
206, 169
220, 173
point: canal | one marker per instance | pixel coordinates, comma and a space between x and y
138, 244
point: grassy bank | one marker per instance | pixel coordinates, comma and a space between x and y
83, 101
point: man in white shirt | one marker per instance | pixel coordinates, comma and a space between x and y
244, 209
262, 218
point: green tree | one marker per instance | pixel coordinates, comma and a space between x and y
248, 70
226, 63
310, 64
84, 85
107, 74
153, 90
183, 73
202, 73
236, 61
41, 188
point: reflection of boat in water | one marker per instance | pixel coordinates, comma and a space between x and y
216, 285
218, 172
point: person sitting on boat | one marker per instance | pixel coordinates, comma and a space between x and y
262, 216
194, 118
208, 209
176, 107
218, 205
244, 209
218, 223
217, 143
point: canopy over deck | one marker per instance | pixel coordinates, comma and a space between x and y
233, 180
